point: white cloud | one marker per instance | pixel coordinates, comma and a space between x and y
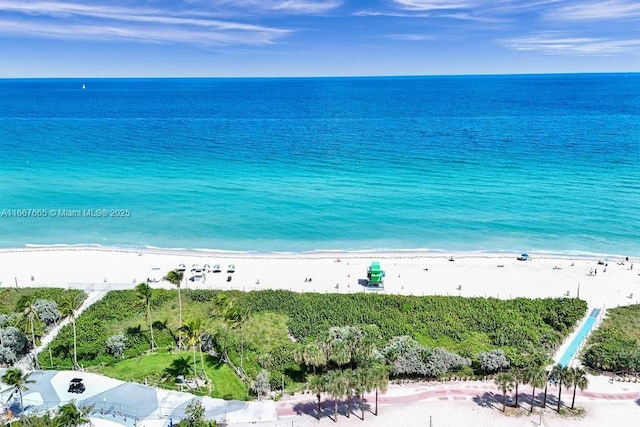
411, 37
391, 13
437, 4
560, 43
458, 16
293, 7
597, 11
136, 33
305, 6
489, 11
71, 20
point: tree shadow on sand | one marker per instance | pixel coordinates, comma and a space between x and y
488, 399
326, 409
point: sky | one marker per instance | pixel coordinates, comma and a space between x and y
269, 38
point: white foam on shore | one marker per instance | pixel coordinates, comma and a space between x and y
427, 252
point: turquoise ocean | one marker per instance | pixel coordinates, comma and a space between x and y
536, 163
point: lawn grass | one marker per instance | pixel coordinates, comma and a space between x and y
150, 369
226, 384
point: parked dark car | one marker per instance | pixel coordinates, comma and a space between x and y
76, 386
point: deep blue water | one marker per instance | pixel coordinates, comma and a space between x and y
489, 163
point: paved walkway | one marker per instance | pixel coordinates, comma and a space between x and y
574, 342
129, 404
92, 297
483, 393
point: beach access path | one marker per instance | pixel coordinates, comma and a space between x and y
93, 296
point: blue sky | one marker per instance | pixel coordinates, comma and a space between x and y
102, 38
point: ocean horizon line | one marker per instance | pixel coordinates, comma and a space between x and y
382, 76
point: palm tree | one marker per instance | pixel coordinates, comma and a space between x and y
69, 415
318, 385
314, 355
536, 376
561, 376
505, 382
15, 378
28, 309
242, 319
353, 380
339, 352
546, 386
379, 380
175, 278
145, 293
36, 420
365, 345
518, 377
578, 378
226, 309
68, 308
194, 330
338, 387
364, 382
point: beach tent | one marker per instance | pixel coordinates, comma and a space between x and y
523, 257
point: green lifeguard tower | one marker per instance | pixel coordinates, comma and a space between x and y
375, 276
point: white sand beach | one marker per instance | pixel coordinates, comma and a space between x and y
417, 273
410, 273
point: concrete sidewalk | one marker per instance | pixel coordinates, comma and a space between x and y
130, 404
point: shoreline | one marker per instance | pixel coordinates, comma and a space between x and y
320, 253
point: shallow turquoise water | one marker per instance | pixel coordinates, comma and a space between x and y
501, 163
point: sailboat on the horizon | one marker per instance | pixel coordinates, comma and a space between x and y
83, 86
